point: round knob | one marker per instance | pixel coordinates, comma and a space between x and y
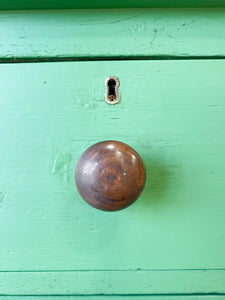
110, 175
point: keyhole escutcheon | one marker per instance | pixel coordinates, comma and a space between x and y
112, 93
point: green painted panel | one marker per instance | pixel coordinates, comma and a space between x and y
50, 4
114, 297
124, 297
171, 112
112, 33
113, 282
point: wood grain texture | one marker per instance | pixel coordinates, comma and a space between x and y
68, 4
172, 113
113, 282
110, 175
112, 33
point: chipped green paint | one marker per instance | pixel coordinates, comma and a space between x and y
61, 165
2, 194
172, 239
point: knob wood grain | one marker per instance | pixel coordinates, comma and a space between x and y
110, 175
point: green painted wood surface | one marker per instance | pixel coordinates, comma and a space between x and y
113, 282
124, 297
50, 4
112, 33
172, 113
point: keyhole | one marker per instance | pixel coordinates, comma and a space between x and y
112, 93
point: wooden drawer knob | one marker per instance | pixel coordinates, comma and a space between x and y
110, 175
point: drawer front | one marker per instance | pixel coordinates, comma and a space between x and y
172, 239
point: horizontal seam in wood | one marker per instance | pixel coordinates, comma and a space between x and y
135, 270
128, 295
104, 58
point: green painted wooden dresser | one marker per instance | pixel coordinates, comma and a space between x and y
170, 60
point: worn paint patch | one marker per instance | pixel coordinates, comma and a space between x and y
61, 166
2, 195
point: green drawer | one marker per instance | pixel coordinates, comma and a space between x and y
171, 241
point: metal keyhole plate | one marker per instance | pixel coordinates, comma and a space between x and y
111, 90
